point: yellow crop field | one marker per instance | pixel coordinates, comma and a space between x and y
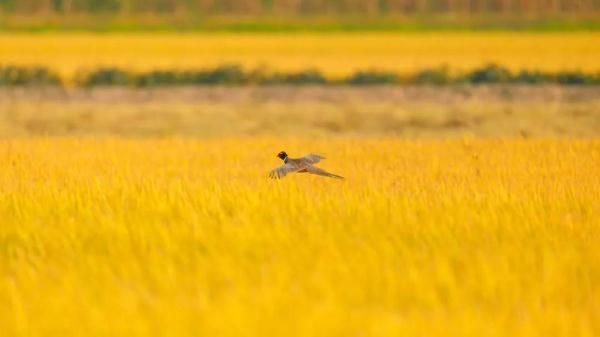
182, 237
335, 54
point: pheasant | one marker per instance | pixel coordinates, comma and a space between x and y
302, 165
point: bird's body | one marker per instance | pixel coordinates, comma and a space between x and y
301, 165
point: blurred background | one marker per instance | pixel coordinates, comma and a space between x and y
213, 68
299, 14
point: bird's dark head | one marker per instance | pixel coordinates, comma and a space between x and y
282, 155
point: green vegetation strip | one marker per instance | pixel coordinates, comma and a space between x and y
236, 75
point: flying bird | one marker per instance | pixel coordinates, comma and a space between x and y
304, 165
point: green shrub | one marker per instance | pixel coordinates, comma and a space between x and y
437, 76
226, 75
576, 78
14, 76
489, 74
235, 75
372, 77
309, 76
532, 77
105, 77
158, 78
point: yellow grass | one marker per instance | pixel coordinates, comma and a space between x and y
336, 54
426, 112
187, 238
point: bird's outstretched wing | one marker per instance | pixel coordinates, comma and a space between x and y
312, 158
283, 170
321, 172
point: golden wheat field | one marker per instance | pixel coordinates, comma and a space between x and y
187, 237
335, 54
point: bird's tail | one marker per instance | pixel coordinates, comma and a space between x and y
336, 176
321, 172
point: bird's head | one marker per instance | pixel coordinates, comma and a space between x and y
282, 155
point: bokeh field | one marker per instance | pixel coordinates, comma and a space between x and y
187, 237
334, 54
